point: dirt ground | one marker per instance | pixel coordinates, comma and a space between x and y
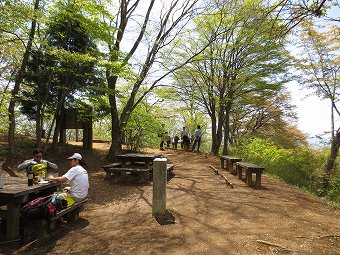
210, 217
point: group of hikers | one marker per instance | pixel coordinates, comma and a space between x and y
184, 139
76, 176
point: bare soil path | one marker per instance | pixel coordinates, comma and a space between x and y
210, 217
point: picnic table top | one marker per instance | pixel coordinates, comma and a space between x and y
137, 156
17, 186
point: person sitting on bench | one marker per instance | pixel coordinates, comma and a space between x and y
39, 165
78, 178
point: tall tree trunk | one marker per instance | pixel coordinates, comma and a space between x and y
56, 130
116, 129
38, 125
217, 136
331, 160
117, 141
214, 145
57, 119
227, 128
332, 119
41, 133
18, 80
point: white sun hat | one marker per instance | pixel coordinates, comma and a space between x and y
75, 156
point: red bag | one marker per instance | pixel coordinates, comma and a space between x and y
39, 208
51, 210
38, 202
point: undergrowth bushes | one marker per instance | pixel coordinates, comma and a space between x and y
302, 167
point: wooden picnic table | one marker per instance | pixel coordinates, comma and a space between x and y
16, 192
230, 161
137, 165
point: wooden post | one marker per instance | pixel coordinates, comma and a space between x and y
159, 187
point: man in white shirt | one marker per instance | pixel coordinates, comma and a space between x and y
77, 176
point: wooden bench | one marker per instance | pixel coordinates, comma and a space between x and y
106, 168
230, 161
72, 211
118, 173
69, 214
249, 169
122, 173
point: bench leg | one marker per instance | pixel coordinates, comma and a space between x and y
258, 179
74, 215
229, 167
248, 178
115, 177
141, 177
71, 217
239, 172
147, 175
233, 169
122, 176
222, 163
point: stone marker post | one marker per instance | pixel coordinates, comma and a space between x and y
159, 187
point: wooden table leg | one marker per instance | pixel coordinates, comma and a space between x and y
13, 221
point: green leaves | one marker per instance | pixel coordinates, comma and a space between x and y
63, 55
240, 73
